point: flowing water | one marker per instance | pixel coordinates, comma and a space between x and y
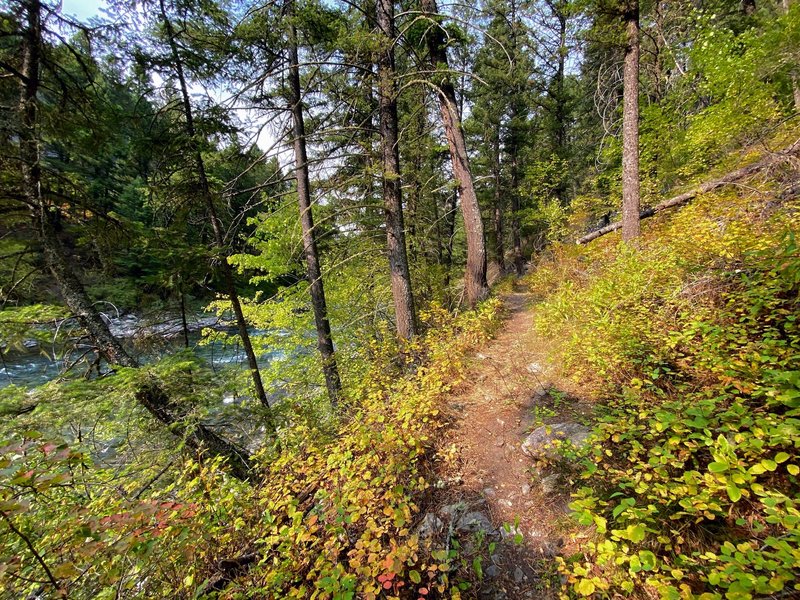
37, 365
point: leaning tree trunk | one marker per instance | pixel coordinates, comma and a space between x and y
216, 224
390, 151
149, 395
630, 126
476, 287
313, 270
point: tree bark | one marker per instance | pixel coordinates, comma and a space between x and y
561, 116
560, 11
499, 233
390, 152
313, 271
793, 76
709, 186
630, 126
497, 218
475, 284
216, 224
151, 396
184, 324
417, 131
516, 227
449, 218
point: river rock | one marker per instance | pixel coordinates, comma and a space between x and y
539, 444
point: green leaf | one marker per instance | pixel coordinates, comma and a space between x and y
584, 587
636, 532
415, 577
635, 564
734, 493
793, 469
781, 457
718, 467
648, 559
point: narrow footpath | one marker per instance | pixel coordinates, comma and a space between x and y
496, 488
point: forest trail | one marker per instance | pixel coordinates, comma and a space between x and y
510, 387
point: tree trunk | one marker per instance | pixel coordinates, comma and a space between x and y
449, 218
497, 218
314, 272
476, 287
516, 227
561, 116
562, 151
416, 132
499, 234
390, 152
149, 395
216, 224
184, 324
630, 127
793, 75
709, 186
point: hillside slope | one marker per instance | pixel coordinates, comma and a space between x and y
689, 347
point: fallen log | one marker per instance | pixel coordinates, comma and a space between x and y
732, 177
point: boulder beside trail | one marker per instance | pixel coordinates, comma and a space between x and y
540, 443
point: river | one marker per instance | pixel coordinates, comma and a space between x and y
37, 365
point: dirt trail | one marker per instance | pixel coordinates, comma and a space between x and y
509, 388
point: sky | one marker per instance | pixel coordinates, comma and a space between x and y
83, 9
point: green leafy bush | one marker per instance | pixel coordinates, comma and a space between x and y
691, 486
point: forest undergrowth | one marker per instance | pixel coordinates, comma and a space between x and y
332, 518
689, 345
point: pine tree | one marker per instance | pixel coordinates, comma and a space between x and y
475, 284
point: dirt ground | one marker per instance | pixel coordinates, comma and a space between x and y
513, 385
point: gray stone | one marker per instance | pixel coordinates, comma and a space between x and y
549, 484
519, 575
431, 526
473, 522
526, 489
541, 391
491, 593
451, 510
534, 368
491, 571
510, 531
539, 444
